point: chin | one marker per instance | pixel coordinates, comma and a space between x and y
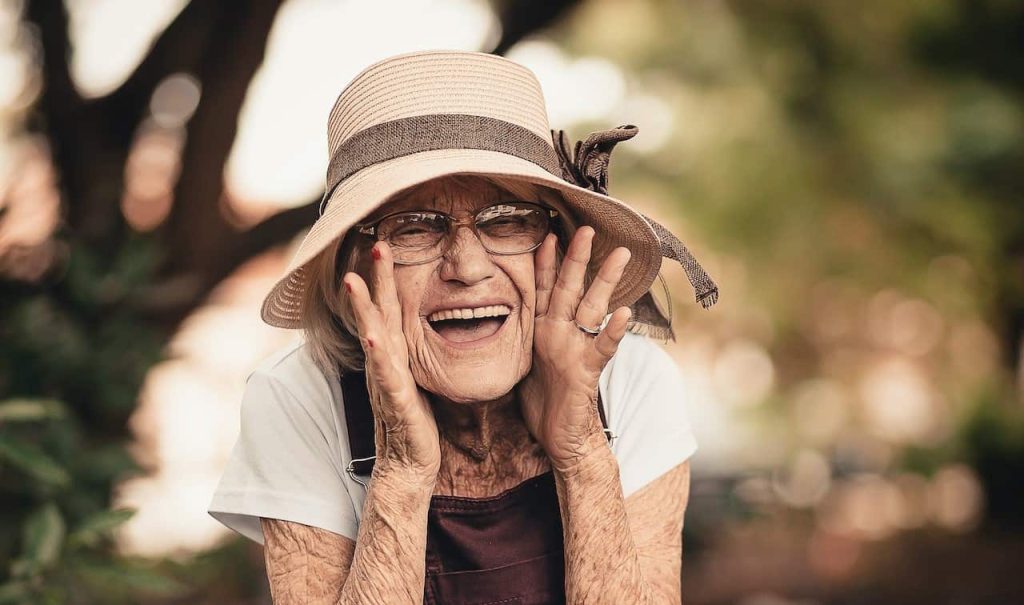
474, 380
483, 390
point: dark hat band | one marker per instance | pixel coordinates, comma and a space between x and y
413, 134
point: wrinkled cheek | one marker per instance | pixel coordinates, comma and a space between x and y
422, 358
526, 341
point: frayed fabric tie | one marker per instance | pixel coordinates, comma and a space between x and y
586, 165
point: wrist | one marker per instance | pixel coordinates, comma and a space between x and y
594, 447
403, 476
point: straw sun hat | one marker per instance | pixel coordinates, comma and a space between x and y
417, 116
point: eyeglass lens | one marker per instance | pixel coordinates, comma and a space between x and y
505, 228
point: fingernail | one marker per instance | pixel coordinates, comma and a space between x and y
348, 287
375, 252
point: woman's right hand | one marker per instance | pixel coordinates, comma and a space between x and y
405, 430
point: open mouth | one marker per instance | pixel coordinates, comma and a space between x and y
468, 325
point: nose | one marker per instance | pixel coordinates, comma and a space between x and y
466, 260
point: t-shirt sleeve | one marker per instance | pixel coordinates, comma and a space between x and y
647, 411
283, 466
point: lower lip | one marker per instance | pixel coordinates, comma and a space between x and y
470, 344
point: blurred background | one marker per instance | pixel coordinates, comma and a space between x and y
850, 173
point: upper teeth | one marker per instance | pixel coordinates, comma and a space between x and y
470, 313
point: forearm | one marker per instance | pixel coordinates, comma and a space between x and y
601, 560
388, 566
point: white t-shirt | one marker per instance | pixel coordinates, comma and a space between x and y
292, 449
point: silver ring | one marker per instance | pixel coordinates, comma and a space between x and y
583, 328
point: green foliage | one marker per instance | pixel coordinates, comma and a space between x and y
73, 355
994, 442
33, 462
845, 152
832, 140
65, 546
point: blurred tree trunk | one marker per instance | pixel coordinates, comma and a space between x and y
87, 333
221, 44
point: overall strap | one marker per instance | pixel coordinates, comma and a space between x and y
359, 422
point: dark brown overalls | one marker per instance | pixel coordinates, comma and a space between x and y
504, 549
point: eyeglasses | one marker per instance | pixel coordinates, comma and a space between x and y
420, 236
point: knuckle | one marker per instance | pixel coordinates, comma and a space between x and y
590, 304
606, 349
580, 259
564, 286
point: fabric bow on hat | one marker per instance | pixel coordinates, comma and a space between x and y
586, 165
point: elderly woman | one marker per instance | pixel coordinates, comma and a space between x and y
475, 414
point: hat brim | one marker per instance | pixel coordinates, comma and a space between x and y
615, 223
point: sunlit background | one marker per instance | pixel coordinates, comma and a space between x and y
849, 173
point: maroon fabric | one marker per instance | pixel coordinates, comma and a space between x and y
502, 549
505, 549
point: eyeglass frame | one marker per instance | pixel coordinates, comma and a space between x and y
370, 229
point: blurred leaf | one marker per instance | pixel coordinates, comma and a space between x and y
127, 577
44, 535
27, 410
14, 593
33, 461
98, 526
105, 462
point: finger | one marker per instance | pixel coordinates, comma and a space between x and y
569, 287
369, 326
366, 313
607, 342
381, 386
594, 306
380, 367
385, 295
544, 270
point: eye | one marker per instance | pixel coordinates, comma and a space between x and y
414, 230
508, 221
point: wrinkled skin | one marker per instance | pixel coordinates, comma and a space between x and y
466, 273
431, 398
473, 390
475, 424
308, 565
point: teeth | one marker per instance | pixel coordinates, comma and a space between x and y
470, 313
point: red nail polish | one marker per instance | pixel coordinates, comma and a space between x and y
375, 252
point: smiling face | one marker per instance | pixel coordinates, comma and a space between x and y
467, 316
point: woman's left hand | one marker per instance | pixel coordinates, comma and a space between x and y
559, 395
